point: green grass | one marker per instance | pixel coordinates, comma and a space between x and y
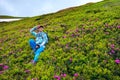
84, 34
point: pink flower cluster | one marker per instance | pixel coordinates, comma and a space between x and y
117, 61
118, 27
64, 75
27, 71
57, 77
64, 36
70, 59
76, 75
112, 46
3, 68
112, 51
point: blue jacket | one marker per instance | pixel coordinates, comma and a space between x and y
41, 37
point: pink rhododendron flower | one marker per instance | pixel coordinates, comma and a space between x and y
1, 64
63, 75
67, 32
33, 62
5, 67
117, 61
57, 77
27, 71
106, 32
106, 25
64, 36
72, 35
70, 59
83, 28
112, 51
76, 74
117, 49
77, 30
118, 27
1, 72
112, 46
67, 45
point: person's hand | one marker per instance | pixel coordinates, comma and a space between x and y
37, 46
38, 26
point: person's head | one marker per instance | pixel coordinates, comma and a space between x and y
40, 28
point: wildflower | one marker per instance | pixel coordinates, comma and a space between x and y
106, 32
67, 45
94, 29
57, 77
72, 35
63, 75
1, 72
67, 32
117, 49
112, 46
117, 61
1, 64
118, 27
76, 74
33, 62
112, 51
5, 67
106, 25
77, 30
77, 35
64, 36
27, 71
70, 59
82, 28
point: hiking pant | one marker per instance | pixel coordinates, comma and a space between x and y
36, 52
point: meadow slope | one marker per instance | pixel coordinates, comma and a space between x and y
84, 44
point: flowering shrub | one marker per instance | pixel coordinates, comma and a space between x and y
3, 68
84, 44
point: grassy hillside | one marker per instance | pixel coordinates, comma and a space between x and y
5, 16
84, 44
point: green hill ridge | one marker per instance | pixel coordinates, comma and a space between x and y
84, 44
6, 17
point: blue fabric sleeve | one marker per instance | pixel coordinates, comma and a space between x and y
45, 39
32, 31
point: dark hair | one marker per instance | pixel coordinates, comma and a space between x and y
39, 26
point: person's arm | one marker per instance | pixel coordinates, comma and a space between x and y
32, 31
45, 39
